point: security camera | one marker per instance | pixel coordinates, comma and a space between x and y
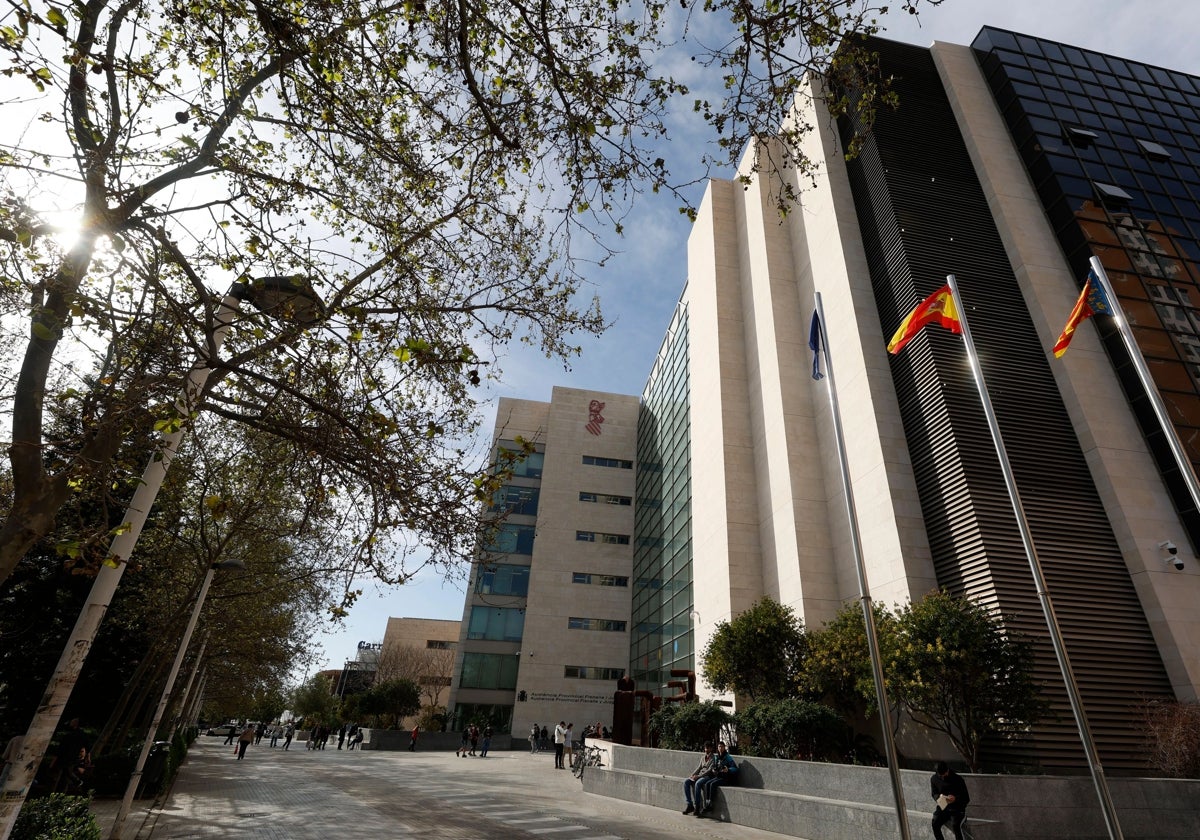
1172, 552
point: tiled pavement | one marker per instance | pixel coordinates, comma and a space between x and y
305, 795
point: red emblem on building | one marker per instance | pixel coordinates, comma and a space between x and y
594, 416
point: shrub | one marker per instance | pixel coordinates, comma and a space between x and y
56, 817
1173, 737
686, 726
791, 728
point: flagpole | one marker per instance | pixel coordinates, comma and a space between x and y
1035, 566
889, 742
1182, 461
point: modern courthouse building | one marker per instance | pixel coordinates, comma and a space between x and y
1009, 163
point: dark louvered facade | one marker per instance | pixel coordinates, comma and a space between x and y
923, 215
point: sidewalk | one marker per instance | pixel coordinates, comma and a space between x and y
319, 795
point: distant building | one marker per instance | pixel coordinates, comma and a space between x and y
421, 650
545, 630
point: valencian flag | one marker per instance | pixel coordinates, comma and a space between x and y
938, 308
1092, 301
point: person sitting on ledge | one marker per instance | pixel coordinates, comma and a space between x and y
703, 769
725, 772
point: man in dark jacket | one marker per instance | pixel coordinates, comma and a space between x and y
949, 791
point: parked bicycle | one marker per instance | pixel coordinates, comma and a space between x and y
586, 756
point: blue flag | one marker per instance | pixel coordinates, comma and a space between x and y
814, 344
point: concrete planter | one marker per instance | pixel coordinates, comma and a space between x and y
819, 801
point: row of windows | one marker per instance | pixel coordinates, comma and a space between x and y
599, 580
522, 501
616, 463
590, 672
489, 670
439, 644
605, 499
510, 538
597, 536
529, 466
497, 624
607, 624
503, 579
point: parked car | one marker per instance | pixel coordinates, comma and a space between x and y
222, 729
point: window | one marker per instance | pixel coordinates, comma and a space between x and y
596, 536
439, 644
489, 670
599, 580
616, 463
528, 467
511, 539
607, 624
519, 500
591, 672
497, 624
503, 579
605, 499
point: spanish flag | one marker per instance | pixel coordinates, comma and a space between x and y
1092, 301
938, 308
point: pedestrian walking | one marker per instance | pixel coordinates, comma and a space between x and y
244, 740
341, 736
487, 741
412, 743
534, 736
287, 735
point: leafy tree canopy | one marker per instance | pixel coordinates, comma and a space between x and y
958, 671
422, 167
759, 654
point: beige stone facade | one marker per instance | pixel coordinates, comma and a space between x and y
551, 650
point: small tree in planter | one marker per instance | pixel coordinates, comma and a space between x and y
686, 726
790, 728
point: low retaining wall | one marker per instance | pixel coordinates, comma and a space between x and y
398, 739
819, 801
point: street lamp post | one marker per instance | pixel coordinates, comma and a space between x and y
289, 297
136, 779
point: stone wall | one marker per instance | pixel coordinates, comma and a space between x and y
842, 802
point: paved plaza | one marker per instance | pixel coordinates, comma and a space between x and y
302, 794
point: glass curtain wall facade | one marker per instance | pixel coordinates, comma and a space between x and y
662, 637
1110, 145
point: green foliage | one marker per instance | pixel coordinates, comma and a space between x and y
791, 728
314, 701
56, 817
838, 667
389, 701
958, 671
687, 726
760, 654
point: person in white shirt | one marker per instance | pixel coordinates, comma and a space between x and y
560, 735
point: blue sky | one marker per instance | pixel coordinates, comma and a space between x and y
639, 287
